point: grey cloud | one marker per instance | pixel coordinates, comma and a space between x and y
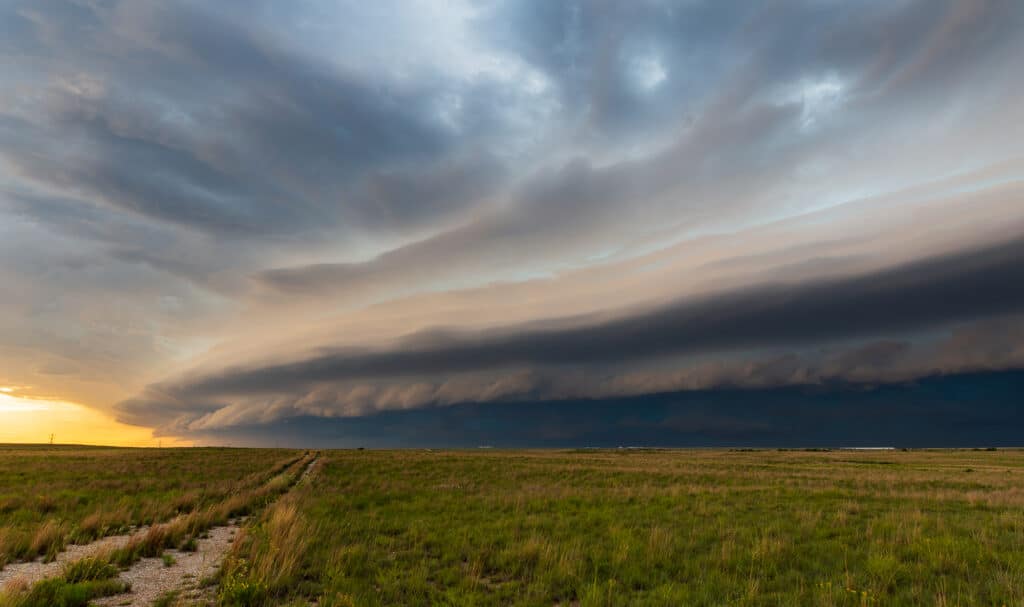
930, 294
743, 138
587, 48
970, 410
190, 118
127, 238
165, 153
564, 211
201, 118
856, 367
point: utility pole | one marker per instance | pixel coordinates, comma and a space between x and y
51, 438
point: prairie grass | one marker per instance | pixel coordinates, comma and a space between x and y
52, 496
182, 531
79, 583
634, 527
266, 558
89, 569
59, 593
48, 539
92, 577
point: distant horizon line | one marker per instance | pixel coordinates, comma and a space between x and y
812, 448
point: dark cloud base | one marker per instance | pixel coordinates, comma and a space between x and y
969, 410
957, 287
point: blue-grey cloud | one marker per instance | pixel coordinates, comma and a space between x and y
775, 91
961, 287
189, 117
966, 287
971, 410
209, 186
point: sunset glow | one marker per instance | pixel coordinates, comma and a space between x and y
26, 420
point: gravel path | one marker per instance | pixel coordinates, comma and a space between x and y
34, 571
150, 578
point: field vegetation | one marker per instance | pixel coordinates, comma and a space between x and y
589, 528
93, 577
51, 496
634, 527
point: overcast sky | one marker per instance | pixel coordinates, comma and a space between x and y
237, 219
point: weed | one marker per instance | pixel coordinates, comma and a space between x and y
89, 569
238, 590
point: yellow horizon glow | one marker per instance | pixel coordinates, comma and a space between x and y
33, 420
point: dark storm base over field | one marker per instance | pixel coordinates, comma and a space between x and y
968, 410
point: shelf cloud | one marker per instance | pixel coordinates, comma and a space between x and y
217, 217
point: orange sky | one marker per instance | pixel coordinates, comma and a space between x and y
29, 420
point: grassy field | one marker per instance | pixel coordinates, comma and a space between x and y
642, 528
50, 496
546, 528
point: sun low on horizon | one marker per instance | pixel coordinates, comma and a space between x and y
41, 421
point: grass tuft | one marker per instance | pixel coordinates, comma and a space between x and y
89, 569
59, 593
48, 540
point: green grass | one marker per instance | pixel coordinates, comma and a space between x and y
642, 528
88, 569
79, 583
50, 496
623, 527
91, 577
58, 593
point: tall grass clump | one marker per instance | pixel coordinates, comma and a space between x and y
48, 540
266, 559
89, 569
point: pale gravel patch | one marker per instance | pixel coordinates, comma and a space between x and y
35, 571
150, 578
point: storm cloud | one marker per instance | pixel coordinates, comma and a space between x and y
218, 215
968, 287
